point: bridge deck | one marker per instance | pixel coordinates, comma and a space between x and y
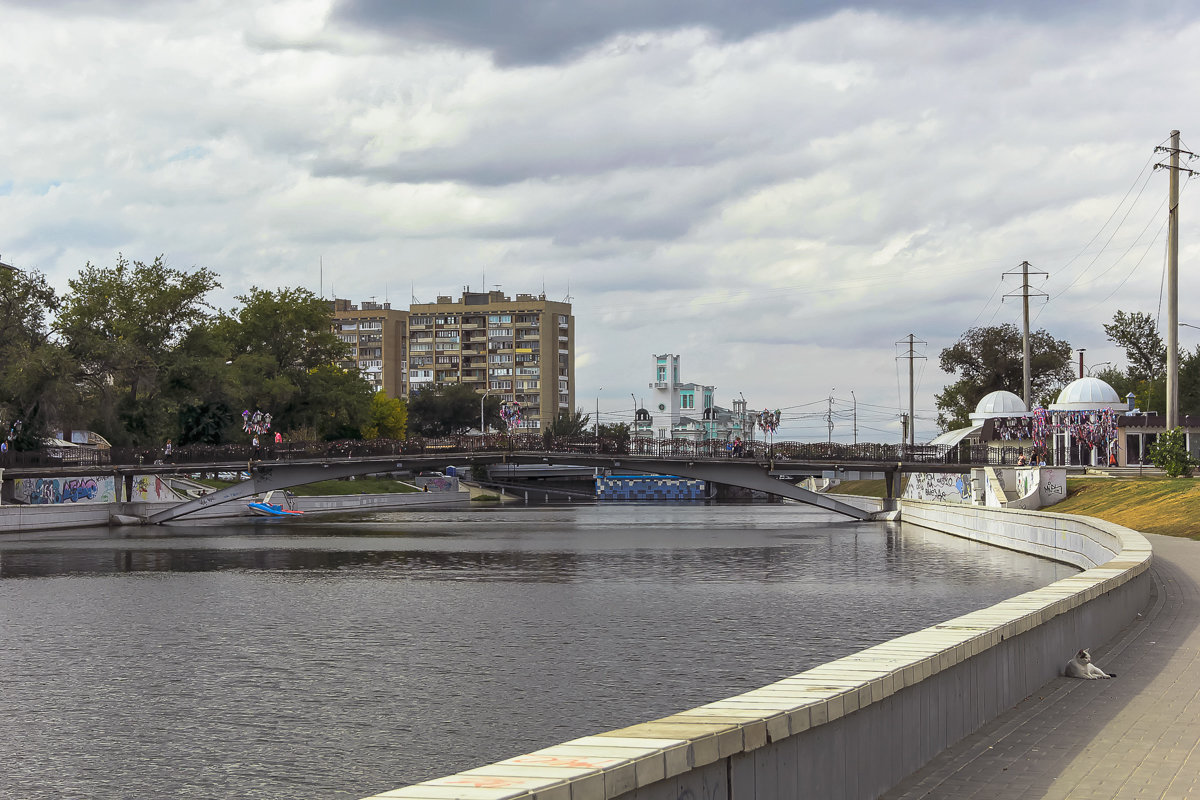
1135, 736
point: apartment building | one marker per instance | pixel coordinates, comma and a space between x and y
520, 350
377, 335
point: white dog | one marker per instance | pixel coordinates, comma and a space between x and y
1081, 666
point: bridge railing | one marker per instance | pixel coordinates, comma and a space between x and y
763, 452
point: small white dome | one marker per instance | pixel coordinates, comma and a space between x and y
1086, 393
1000, 404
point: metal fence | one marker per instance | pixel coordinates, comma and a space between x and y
764, 452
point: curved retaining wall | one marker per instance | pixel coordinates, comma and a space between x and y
854, 727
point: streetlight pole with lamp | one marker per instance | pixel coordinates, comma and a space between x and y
486, 392
598, 391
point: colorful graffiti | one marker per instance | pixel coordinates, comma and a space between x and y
939, 486
152, 488
55, 491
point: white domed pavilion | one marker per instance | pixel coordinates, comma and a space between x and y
1086, 394
1000, 403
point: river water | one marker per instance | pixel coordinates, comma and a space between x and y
340, 658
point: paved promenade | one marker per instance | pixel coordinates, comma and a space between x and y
1135, 736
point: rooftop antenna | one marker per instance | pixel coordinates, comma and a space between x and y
567, 299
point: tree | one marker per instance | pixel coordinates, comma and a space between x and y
1189, 382
1169, 453
988, 359
284, 359
387, 418
569, 424
333, 401
1137, 334
37, 375
449, 409
617, 433
124, 326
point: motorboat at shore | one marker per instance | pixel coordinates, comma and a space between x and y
268, 509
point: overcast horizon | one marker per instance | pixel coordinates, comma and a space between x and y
779, 195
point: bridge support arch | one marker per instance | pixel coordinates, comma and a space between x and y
269, 476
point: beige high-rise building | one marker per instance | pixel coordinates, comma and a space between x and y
377, 334
520, 350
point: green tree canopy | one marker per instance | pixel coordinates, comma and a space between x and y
569, 424
284, 359
450, 409
124, 325
990, 358
37, 375
1137, 335
387, 418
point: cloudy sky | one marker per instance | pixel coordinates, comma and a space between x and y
779, 195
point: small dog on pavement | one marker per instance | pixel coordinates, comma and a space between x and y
1081, 666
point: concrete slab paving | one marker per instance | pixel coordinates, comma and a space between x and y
1135, 736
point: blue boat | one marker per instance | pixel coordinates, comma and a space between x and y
268, 509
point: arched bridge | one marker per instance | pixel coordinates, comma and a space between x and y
296, 463
270, 476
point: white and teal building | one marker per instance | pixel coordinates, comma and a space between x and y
676, 409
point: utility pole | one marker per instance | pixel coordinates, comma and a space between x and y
1173, 274
855, 401
911, 355
829, 417
1027, 382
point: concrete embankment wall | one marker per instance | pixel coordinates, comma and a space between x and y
854, 727
17, 518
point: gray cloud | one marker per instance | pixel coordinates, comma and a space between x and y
522, 32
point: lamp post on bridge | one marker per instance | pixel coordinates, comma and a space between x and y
486, 392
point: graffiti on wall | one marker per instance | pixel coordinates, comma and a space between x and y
55, 491
1053, 485
1027, 482
940, 486
152, 488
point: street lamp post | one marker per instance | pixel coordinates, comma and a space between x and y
486, 392
598, 391
1091, 370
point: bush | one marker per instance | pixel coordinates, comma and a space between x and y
1170, 454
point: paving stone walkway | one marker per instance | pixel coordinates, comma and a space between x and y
1135, 736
